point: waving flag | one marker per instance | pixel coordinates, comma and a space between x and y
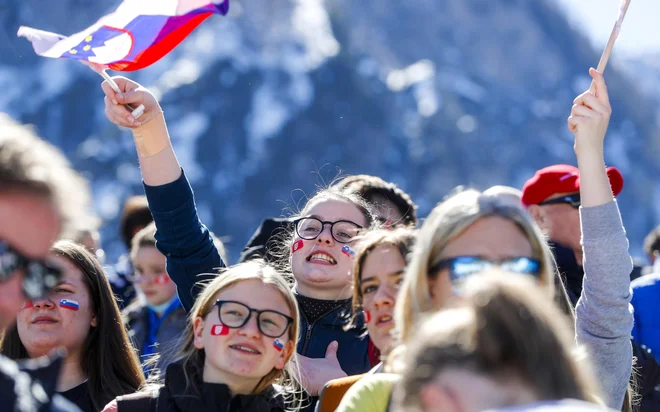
137, 34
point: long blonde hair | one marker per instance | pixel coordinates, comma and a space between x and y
447, 221
505, 327
193, 358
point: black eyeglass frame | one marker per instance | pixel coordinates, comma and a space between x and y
39, 277
447, 263
323, 223
221, 302
573, 200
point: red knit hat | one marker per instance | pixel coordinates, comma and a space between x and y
561, 179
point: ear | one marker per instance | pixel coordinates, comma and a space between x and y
538, 214
289, 347
94, 321
198, 333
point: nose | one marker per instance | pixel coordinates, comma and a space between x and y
325, 237
384, 297
251, 328
43, 303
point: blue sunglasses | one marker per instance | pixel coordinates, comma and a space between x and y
461, 267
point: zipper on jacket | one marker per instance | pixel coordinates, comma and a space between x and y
310, 327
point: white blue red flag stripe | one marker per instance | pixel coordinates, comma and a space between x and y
137, 34
69, 304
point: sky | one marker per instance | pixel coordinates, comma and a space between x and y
640, 34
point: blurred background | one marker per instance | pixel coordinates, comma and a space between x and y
281, 96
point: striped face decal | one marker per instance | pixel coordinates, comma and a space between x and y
69, 304
348, 251
278, 345
219, 330
28, 304
297, 245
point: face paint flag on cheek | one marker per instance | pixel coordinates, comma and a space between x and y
278, 345
69, 304
297, 245
348, 251
367, 316
161, 279
28, 304
219, 330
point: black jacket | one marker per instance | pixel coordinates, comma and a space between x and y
30, 386
174, 396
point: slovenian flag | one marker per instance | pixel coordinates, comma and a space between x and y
69, 304
137, 34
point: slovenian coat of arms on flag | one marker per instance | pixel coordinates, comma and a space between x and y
136, 35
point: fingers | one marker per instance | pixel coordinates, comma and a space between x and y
589, 100
574, 122
601, 87
131, 97
331, 351
118, 114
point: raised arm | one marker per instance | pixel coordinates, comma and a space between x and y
180, 236
603, 317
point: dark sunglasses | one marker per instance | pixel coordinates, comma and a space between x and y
235, 315
39, 276
462, 266
573, 200
343, 231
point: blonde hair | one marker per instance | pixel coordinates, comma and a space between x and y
193, 358
504, 327
401, 238
447, 221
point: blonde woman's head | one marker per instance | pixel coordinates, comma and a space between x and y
487, 228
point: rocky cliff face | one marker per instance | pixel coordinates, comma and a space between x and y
280, 95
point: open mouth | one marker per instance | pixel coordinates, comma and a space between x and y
384, 319
322, 257
245, 349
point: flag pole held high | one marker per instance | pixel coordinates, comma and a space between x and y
604, 58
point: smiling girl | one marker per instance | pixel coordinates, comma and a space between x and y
238, 344
320, 250
81, 316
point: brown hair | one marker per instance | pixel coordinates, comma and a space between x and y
108, 358
135, 216
31, 165
504, 326
400, 238
143, 238
193, 358
373, 189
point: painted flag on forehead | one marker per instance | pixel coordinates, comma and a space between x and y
136, 35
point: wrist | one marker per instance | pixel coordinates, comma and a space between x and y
152, 136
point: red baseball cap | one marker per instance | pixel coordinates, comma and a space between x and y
561, 179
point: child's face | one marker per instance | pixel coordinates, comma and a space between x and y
151, 277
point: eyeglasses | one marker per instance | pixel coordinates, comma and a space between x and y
573, 200
39, 276
463, 266
235, 315
343, 231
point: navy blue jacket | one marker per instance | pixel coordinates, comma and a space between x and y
192, 256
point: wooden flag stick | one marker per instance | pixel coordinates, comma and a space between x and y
605, 57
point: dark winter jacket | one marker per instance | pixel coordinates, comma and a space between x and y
176, 396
